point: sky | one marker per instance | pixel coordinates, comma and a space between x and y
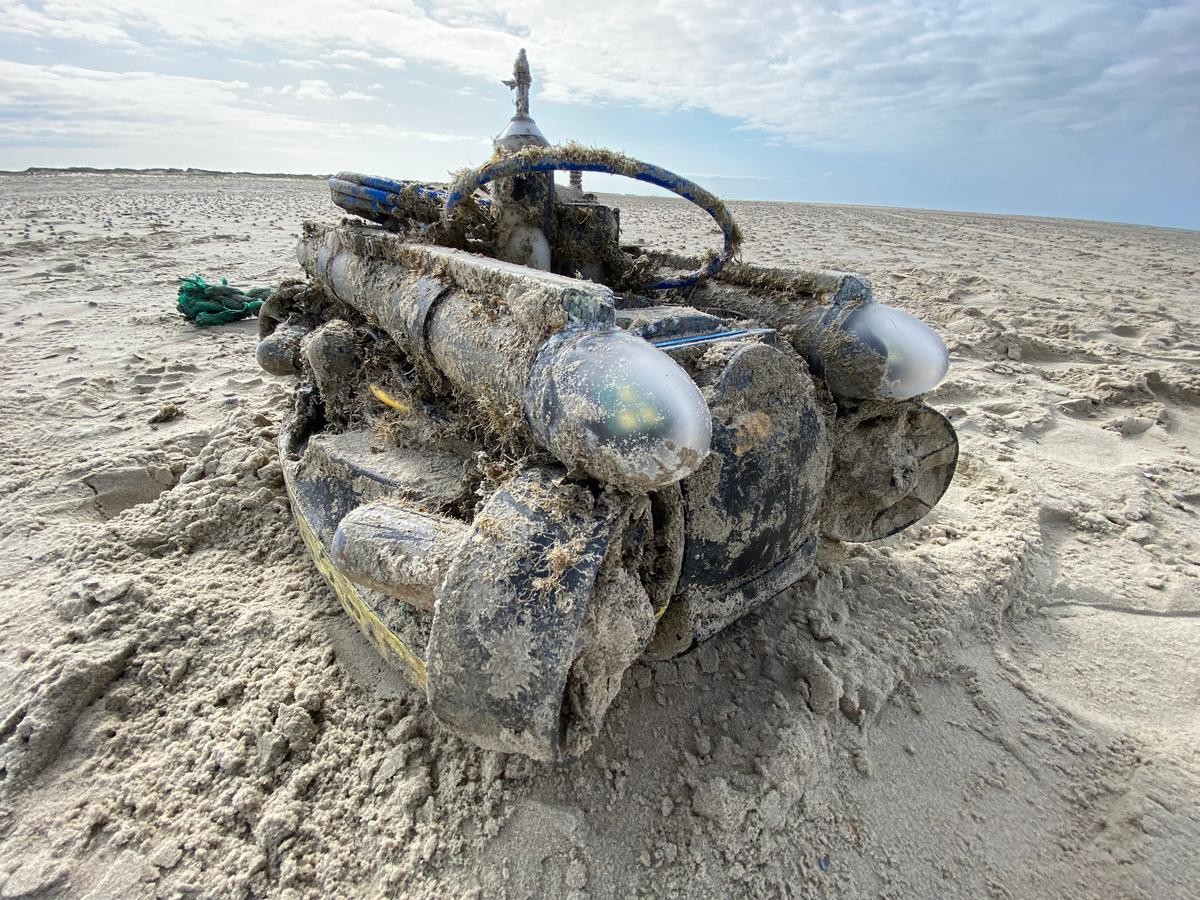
1074, 108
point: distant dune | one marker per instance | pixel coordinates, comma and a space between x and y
92, 170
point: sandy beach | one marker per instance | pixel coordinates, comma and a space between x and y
1003, 701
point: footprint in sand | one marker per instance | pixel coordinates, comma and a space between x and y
158, 378
118, 489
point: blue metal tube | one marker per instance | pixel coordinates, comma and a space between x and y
712, 337
382, 198
368, 209
388, 186
375, 198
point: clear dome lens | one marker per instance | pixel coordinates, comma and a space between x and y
620, 409
916, 359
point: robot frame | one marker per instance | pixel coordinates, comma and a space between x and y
525, 455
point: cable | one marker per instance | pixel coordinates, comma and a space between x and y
584, 159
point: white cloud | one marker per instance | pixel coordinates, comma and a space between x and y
22, 19
980, 99
877, 75
126, 106
311, 90
317, 64
81, 116
362, 56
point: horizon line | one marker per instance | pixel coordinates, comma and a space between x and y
203, 172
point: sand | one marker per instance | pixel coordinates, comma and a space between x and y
1003, 701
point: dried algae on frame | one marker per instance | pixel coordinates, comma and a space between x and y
630, 457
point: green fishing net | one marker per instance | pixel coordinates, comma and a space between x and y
217, 304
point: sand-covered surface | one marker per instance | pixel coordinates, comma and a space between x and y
1003, 701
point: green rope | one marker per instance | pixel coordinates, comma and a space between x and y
217, 304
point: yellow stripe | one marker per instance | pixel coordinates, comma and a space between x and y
384, 639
